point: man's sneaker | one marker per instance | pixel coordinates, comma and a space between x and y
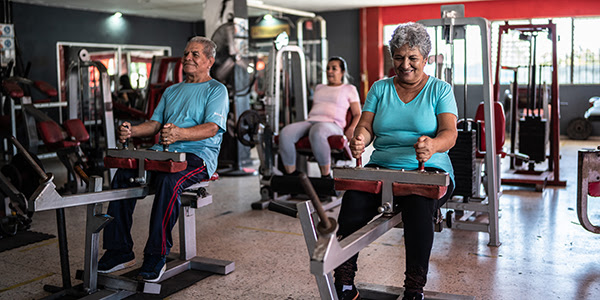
349, 294
114, 260
153, 268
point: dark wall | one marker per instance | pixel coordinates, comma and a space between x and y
343, 35
38, 28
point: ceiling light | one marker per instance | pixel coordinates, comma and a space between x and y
118, 14
268, 17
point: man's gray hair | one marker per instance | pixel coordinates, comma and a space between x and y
210, 48
413, 34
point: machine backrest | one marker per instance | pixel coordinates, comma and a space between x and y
500, 126
173, 65
154, 94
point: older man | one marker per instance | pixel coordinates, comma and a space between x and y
191, 118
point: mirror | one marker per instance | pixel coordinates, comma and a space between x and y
132, 60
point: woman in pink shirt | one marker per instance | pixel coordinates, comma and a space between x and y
327, 117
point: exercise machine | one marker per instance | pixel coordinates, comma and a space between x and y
588, 184
535, 131
24, 102
327, 252
101, 286
90, 100
470, 203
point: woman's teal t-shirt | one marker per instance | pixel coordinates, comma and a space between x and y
398, 125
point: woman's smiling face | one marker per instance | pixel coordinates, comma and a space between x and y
408, 64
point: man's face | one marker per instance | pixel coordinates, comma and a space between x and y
194, 60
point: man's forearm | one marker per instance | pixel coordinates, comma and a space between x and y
199, 132
148, 128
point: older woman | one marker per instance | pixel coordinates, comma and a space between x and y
410, 118
327, 117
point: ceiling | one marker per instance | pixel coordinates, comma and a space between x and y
192, 10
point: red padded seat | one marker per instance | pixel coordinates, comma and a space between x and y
594, 189
13, 89
167, 166
120, 162
340, 146
76, 129
53, 136
406, 189
46, 88
368, 186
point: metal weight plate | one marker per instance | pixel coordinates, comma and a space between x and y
247, 127
579, 129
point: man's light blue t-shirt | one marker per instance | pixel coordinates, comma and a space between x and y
398, 125
190, 104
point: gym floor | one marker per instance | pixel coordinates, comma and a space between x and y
545, 253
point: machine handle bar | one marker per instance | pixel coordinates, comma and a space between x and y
29, 159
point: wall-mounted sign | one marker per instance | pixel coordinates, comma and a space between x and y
269, 27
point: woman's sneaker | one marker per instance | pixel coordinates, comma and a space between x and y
348, 294
114, 260
153, 268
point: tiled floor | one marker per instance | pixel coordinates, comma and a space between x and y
545, 253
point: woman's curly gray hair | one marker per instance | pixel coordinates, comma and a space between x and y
413, 34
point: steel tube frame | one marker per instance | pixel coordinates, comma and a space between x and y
278, 65
326, 252
491, 156
588, 170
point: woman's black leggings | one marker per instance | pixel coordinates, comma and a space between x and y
418, 213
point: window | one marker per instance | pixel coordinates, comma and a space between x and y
139, 74
578, 55
586, 51
578, 52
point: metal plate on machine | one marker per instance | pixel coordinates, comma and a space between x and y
146, 154
402, 176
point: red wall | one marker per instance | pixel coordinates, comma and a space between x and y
374, 18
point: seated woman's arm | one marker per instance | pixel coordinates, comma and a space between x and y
355, 110
444, 140
363, 134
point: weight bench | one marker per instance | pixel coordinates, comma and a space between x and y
193, 197
67, 145
324, 249
117, 287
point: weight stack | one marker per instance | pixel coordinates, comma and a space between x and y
532, 138
462, 156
